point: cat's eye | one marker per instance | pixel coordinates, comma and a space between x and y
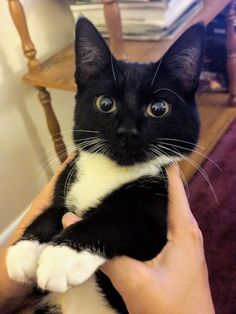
106, 104
158, 109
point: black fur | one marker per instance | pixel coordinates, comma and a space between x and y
127, 222
132, 219
49, 223
111, 294
133, 90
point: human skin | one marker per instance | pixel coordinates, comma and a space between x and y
176, 281
12, 293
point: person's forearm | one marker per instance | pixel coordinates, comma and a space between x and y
12, 294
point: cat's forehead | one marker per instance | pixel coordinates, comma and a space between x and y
135, 74
137, 68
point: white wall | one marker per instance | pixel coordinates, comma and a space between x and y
25, 145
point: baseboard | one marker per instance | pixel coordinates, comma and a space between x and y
11, 228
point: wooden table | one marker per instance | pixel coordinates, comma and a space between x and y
58, 72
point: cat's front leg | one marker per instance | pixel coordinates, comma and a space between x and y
22, 257
80, 249
70, 259
22, 260
62, 267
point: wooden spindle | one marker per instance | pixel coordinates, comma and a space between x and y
113, 22
29, 50
18, 16
52, 123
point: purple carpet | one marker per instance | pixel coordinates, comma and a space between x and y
218, 221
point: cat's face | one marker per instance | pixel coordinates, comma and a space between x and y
135, 112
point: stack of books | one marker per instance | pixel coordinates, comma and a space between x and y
142, 19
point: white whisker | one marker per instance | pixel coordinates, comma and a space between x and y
112, 67
195, 151
181, 172
69, 176
169, 90
157, 69
196, 166
85, 143
87, 131
177, 140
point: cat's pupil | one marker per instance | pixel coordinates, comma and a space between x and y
106, 104
159, 108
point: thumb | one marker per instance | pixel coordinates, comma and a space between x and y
69, 219
180, 216
125, 273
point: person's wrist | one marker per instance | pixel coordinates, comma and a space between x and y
10, 287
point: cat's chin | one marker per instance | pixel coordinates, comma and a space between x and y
127, 159
127, 163
120, 156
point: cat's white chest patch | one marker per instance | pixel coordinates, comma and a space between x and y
98, 176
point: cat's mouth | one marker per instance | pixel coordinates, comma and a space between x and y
127, 153
132, 151
126, 158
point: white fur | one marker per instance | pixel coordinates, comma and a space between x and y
99, 176
22, 259
61, 267
84, 299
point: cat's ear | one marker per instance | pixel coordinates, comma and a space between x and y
91, 52
182, 63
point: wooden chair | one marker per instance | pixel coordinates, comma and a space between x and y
58, 71
113, 21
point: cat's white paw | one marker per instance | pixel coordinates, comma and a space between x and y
22, 260
61, 268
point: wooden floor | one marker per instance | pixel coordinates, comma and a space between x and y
215, 118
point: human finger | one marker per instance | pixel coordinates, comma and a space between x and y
123, 271
69, 219
180, 216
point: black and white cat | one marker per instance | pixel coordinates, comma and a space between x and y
131, 120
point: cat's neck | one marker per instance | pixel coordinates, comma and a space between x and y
98, 176
93, 163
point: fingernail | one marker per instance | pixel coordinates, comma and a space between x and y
69, 219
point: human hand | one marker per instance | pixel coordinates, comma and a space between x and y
10, 290
176, 280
